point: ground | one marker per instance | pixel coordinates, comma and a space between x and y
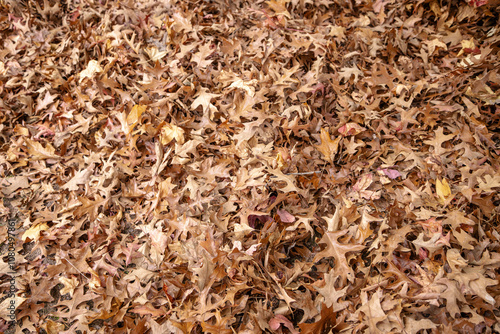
276, 166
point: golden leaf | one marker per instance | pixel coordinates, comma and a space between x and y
280, 160
134, 116
442, 189
52, 327
328, 146
70, 284
154, 54
33, 232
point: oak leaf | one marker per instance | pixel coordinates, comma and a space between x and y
347, 72
338, 251
134, 117
46, 101
203, 99
325, 324
414, 326
372, 308
81, 177
328, 147
70, 284
331, 294
37, 151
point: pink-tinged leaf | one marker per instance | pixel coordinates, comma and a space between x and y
363, 183
285, 216
350, 129
274, 323
423, 253
477, 3
391, 173
279, 319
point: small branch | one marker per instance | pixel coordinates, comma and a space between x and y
304, 173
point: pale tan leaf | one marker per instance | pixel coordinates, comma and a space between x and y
170, 132
33, 233
37, 151
92, 68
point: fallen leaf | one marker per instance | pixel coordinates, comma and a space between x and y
134, 117
328, 147
37, 151
170, 132
338, 251
285, 216
11, 184
391, 173
33, 233
278, 320
442, 189
92, 68
350, 129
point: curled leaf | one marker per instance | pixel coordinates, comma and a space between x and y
442, 189
351, 129
93, 67
33, 233
285, 216
37, 151
391, 173
276, 322
134, 116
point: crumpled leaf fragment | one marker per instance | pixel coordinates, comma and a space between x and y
477, 3
285, 216
92, 68
360, 189
170, 132
391, 173
247, 86
155, 54
70, 284
350, 129
33, 233
278, 320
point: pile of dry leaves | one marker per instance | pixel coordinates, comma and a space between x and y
279, 166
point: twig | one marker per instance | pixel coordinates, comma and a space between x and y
304, 173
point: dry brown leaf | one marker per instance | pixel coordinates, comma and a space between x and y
37, 151
328, 147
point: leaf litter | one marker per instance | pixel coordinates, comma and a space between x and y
276, 166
